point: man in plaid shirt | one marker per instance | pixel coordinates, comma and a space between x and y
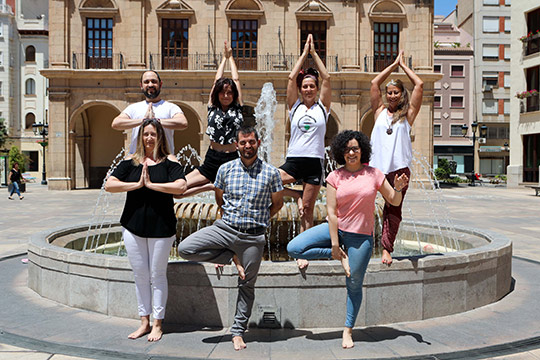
249, 192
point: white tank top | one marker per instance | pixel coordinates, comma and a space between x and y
308, 127
390, 152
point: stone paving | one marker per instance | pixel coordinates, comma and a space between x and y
36, 328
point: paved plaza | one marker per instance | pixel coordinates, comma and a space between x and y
36, 328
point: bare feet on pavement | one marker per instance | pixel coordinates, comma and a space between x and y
347, 342
386, 257
238, 343
239, 267
156, 333
142, 330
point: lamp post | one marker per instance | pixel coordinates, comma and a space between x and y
483, 133
42, 130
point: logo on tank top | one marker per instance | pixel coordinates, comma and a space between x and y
306, 124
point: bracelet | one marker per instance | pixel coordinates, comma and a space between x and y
397, 189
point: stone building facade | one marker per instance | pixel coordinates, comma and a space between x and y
525, 108
99, 48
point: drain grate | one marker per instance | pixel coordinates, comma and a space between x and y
268, 316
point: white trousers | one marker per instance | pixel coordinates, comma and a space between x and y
148, 258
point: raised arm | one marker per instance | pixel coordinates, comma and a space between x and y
326, 89
234, 72
375, 90
219, 73
292, 89
417, 93
393, 194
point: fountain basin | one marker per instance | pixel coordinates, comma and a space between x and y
413, 288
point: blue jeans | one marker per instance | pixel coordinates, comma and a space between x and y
315, 243
15, 189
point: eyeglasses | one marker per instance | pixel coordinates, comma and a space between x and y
354, 149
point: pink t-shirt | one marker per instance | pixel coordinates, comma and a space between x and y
355, 197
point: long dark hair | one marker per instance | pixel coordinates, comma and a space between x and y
218, 86
340, 141
161, 150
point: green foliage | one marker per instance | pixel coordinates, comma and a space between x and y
443, 170
3, 133
16, 156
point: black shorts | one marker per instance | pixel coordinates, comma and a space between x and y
213, 160
309, 170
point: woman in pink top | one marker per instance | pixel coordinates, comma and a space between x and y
348, 234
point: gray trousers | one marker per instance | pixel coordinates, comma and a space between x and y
217, 244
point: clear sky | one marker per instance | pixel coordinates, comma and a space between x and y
444, 7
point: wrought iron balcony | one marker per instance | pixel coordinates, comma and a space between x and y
267, 62
531, 45
378, 64
98, 61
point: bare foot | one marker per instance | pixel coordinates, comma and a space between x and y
240, 268
347, 342
386, 257
238, 343
345, 265
156, 334
302, 263
142, 330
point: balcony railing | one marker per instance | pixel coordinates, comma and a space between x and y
6, 9
531, 45
267, 62
531, 103
373, 64
110, 61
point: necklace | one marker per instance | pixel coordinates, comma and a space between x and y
389, 130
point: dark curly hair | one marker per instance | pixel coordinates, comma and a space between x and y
312, 72
340, 141
218, 86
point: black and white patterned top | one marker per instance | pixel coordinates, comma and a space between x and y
222, 125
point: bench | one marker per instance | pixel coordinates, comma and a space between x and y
536, 188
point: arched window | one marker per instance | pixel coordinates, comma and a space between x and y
30, 53
29, 121
30, 87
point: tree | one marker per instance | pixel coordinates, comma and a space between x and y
443, 170
3, 133
16, 156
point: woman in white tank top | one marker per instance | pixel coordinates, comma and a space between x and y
390, 140
308, 115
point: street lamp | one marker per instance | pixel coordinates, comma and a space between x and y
42, 130
483, 133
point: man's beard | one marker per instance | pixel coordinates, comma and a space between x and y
250, 156
153, 95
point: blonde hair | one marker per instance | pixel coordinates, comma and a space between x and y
160, 150
403, 105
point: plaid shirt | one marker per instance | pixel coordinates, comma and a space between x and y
247, 192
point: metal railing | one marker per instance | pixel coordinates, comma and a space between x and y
109, 61
267, 62
378, 64
531, 45
532, 103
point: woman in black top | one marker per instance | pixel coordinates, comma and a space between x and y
16, 179
151, 177
224, 118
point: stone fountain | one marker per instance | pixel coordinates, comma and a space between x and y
80, 267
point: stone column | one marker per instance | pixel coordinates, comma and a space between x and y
58, 161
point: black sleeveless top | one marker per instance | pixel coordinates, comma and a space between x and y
149, 213
15, 176
222, 125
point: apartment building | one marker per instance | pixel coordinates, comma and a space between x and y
489, 23
453, 101
525, 101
